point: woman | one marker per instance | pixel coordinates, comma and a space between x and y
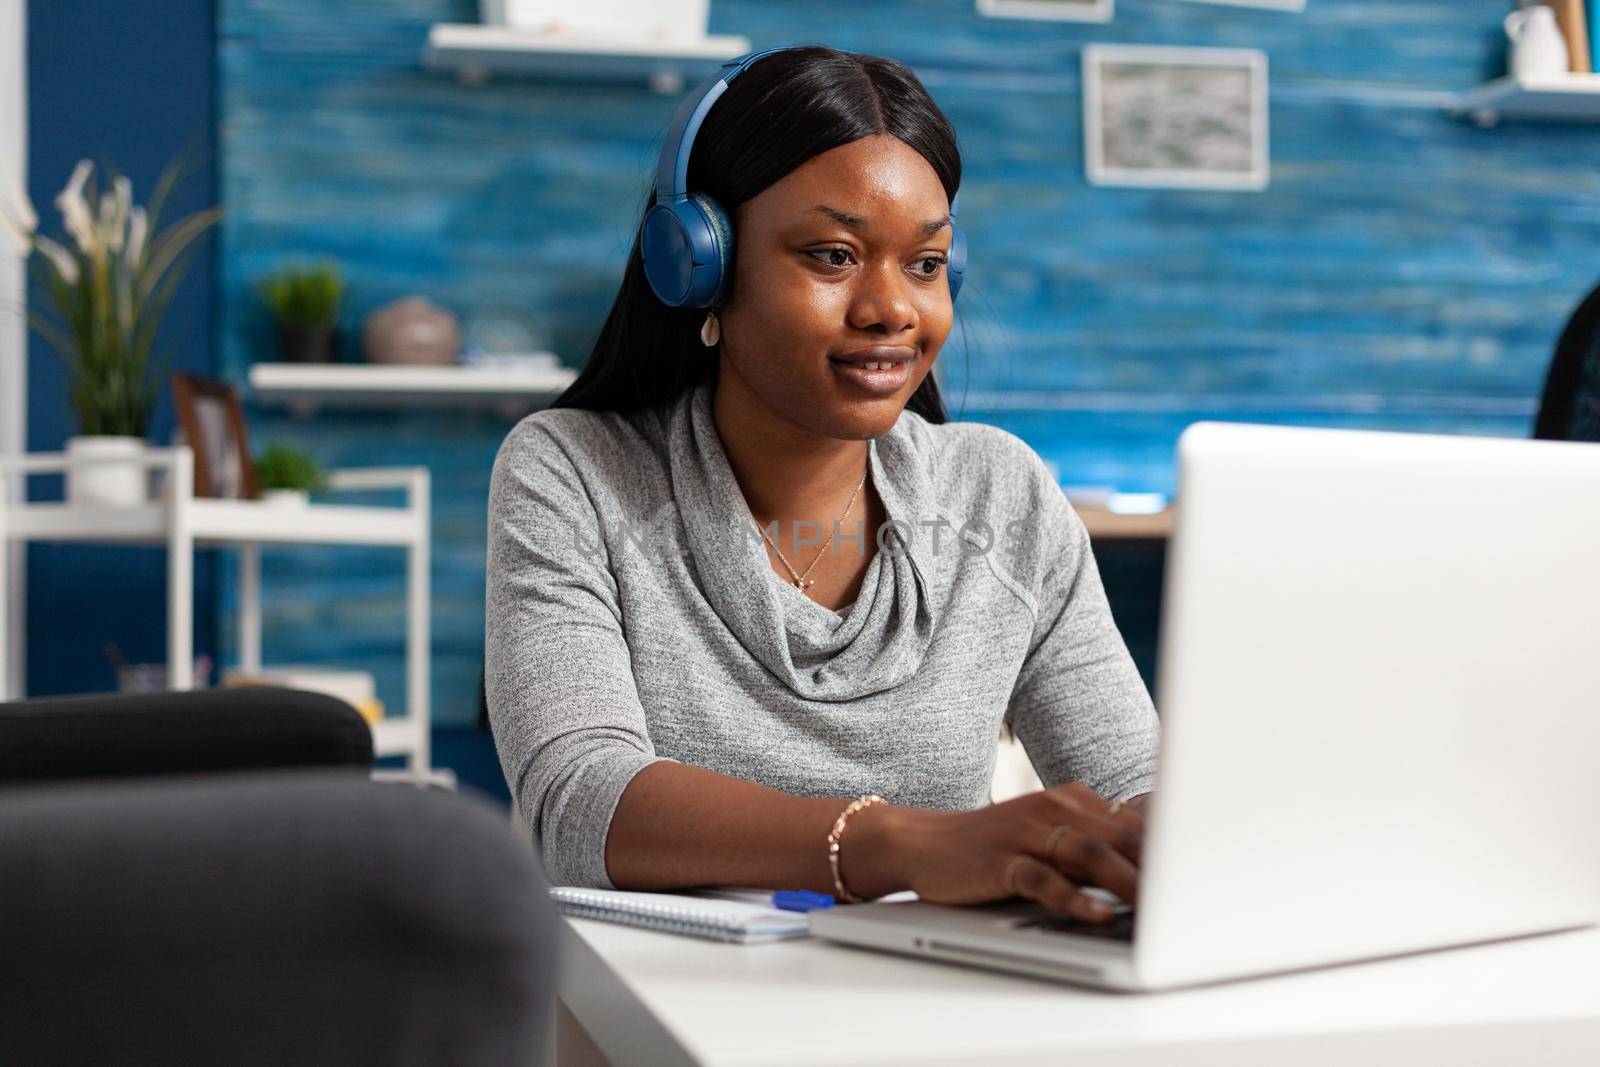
757, 611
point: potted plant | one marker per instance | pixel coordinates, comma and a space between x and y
106, 289
289, 475
304, 301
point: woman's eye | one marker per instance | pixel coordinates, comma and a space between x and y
830, 253
928, 266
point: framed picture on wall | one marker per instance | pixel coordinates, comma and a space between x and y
1061, 10
212, 420
1178, 118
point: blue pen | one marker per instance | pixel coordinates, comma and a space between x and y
800, 900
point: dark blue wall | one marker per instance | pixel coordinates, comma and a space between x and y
130, 85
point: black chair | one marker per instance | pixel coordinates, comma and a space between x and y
1570, 407
212, 877
204, 730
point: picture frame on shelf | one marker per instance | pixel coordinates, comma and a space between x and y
1049, 10
1176, 117
211, 418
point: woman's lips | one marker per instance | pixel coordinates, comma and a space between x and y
885, 382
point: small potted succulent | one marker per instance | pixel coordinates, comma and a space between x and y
288, 475
106, 286
304, 301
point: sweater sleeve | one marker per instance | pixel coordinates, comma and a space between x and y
1080, 707
566, 716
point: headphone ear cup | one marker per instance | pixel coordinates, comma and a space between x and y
667, 248
715, 277
955, 267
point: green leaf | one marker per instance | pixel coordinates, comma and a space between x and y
51, 333
305, 296
167, 247
283, 466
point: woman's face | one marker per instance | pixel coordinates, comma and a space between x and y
842, 261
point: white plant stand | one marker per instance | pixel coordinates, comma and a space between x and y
182, 522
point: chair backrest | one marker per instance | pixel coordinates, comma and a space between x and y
122, 735
294, 917
1570, 407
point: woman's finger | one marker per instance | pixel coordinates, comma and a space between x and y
1129, 817
1035, 880
1125, 837
1080, 795
1087, 858
1120, 833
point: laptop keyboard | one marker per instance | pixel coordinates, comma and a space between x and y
1119, 928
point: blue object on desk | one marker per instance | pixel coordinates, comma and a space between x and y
800, 900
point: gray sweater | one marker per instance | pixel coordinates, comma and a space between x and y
633, 616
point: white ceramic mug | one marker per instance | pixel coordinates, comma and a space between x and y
1538, 50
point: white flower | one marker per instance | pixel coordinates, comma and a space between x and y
26, 217
15, 233
138, 230
104, 222
75, 213
60, 258
122, 190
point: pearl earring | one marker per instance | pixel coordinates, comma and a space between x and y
710, 330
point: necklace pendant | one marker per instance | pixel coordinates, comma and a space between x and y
801, 584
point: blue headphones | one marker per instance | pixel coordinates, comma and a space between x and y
686, 240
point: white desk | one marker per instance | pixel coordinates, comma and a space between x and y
660, 999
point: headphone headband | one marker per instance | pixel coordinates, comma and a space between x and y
672, 172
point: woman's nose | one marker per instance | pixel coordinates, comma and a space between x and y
881, 300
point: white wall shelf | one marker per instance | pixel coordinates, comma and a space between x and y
1565, 98
306, 387
476, 51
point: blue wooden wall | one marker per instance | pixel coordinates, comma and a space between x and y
1404, 270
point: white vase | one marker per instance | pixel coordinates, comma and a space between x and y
107, 471
1538, 50
286, 498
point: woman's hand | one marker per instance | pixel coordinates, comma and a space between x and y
1044, 846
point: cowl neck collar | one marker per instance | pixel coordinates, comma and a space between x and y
874, 644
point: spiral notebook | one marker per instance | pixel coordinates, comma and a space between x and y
742, 916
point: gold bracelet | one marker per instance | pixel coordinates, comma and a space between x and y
833, 844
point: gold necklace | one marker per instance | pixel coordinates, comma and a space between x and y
800, 582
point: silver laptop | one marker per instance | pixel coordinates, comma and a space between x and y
1381, 717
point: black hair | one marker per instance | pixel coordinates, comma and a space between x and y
780, 112
1569, 408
